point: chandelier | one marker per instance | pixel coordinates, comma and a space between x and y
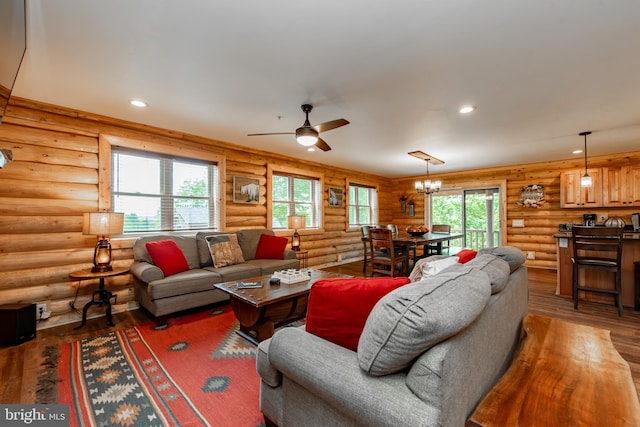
586, 180
427, 186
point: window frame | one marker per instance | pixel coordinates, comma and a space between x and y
300, 173
160, 146
375, 210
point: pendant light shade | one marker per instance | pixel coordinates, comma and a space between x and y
586, 180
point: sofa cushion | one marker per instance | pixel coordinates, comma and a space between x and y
203, 247
429, 266
338, 308
413, 318
271, 247
224, 250
167, 256
514, 256
248, 240
496, 268
466, 255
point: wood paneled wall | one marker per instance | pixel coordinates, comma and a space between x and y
540, 223
54, 178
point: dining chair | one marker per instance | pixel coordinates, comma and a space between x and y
385, 256
394, 230
597, 248
441, 247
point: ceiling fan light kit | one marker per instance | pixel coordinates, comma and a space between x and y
308, 135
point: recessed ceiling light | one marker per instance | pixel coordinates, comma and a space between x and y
577, 151
138, 103
467, 109
311, 149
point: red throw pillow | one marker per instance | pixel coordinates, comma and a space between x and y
338, 308
466, 255
271, 247
167, 256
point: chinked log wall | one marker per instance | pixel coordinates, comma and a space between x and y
54, 178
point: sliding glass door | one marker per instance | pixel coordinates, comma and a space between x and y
475, 213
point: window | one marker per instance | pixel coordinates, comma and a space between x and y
363, 205
162, 193
295, 195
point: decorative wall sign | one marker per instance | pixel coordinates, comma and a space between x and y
532, 196
246, 190
336, 197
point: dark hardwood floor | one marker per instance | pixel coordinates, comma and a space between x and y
19, 365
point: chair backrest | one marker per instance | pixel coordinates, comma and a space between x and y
380, 238
365, 231
602, 244
441, 228
393, 228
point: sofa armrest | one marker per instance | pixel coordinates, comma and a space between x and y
332, 373
146, 272
289, 254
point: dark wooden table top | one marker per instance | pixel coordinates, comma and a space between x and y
269, 294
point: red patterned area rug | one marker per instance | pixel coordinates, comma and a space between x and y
195, 371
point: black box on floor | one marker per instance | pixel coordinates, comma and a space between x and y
18, 323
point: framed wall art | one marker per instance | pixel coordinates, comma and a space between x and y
246, 190
336, 197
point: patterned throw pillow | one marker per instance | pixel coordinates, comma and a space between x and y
225, 250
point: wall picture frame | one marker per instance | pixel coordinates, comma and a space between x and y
246, 190
336, 197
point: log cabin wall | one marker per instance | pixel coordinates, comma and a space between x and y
540, 223
55, 177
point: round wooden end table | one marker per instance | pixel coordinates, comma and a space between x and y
101, 295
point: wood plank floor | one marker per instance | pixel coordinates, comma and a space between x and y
19, 364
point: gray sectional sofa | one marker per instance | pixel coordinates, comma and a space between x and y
429, 352
162, 295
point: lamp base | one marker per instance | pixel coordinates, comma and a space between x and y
101, 268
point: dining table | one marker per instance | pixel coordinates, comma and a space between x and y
408, 241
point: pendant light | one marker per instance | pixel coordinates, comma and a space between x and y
586, 180
427, 186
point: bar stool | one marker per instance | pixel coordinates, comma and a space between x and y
597, 248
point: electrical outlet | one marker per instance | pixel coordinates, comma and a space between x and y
40, 310
531, 255
603, 217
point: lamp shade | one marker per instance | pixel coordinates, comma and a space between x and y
296, 221
102, 223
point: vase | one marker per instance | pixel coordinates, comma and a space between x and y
403, 206
412, 211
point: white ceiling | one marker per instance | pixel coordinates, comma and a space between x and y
539, 71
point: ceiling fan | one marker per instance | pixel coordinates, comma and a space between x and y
308, 135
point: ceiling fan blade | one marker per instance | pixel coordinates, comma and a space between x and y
323, 127
274, 133
321, 144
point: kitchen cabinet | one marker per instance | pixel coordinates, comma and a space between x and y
621, 186
572, 195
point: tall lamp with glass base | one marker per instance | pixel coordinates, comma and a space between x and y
295, 222
102, 224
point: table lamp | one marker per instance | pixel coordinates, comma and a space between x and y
102, 224
295, 222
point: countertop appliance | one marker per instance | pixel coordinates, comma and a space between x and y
589, 220
635, 220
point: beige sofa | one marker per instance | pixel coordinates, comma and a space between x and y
162, 295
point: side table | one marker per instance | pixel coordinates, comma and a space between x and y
101, 295
303, 257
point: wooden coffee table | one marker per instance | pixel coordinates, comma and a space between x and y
261, 310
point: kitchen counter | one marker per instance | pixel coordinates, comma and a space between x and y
630, 254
